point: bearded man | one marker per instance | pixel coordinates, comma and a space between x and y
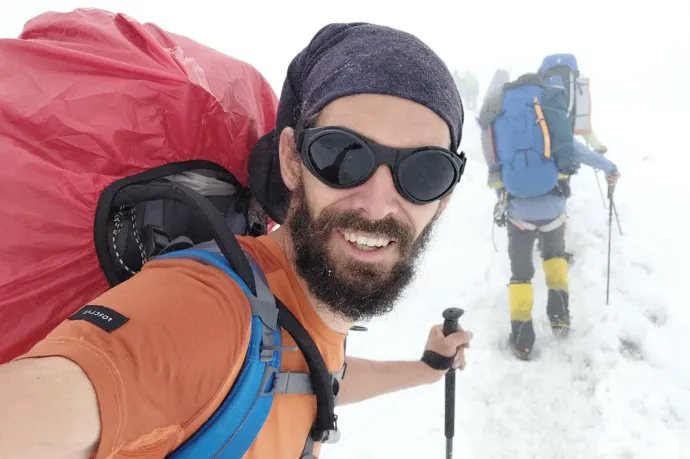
362, 162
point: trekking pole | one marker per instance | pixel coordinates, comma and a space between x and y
608, 268
450, 325
615, 212
618, 221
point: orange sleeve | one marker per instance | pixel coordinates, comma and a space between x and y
162, 351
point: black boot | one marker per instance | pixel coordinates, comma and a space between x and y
522, 339
557, 308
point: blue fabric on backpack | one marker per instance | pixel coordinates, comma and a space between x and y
519, 145
519, 141
234, 426
559, 60
555, 110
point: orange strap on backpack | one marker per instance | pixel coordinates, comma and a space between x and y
544, 128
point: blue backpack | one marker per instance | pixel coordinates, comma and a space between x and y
561, 70
232, 429
555, 61
530, 137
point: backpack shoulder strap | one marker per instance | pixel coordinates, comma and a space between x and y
236, 423
234, 426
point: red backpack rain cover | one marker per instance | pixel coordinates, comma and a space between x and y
87, 98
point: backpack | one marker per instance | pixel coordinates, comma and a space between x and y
145, 158
527, 137
150, 107
562, 70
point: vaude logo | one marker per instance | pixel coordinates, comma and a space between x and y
98, 314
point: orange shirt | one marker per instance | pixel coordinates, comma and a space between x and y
163, 373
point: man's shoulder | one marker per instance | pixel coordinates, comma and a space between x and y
174, 337
266, 252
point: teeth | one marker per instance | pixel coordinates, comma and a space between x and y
365, 240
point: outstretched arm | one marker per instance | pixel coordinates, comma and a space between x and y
365, 379
49, 409
78, 393
586, 156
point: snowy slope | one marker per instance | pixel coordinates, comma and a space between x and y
619, 387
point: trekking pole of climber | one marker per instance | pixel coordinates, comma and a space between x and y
450, 325
615, 212
608, 268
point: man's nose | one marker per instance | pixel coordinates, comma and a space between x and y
377, 197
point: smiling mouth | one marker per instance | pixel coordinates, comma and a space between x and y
366, 242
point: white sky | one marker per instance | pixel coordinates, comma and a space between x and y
639, 51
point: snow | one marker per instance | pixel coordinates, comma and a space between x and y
619, 386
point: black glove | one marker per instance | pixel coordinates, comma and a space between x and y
500, 214
564, 186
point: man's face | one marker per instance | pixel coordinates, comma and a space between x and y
357, 248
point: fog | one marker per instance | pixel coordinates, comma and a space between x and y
630, 52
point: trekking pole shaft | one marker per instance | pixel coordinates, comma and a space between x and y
618, 220
608, 268
450, 325
450, 412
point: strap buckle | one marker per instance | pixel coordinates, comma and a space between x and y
267, 351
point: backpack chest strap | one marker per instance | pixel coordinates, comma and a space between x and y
293, 382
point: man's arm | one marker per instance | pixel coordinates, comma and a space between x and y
592, 159
365, 379
72, 395
49, 409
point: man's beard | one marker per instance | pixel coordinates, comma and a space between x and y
352, 289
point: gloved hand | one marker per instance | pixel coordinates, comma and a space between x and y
612, 180
500, 214
601, 149
563, 184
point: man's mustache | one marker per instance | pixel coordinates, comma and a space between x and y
388, 228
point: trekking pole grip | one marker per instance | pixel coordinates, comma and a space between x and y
450, 325
451, 317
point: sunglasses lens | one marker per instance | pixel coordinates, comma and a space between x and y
340, 159
426, 175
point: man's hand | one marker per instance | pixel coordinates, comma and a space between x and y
500, 216
451, 347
